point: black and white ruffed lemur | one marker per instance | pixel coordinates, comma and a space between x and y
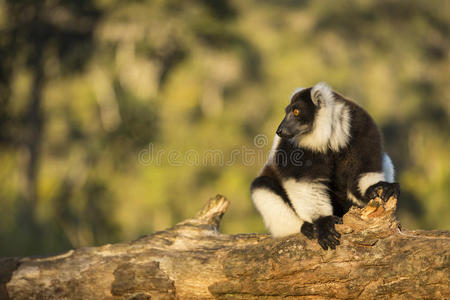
326, 156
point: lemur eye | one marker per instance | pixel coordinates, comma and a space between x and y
296, 112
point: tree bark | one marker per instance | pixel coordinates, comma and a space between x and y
376, 259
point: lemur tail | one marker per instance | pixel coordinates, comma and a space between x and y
388, 168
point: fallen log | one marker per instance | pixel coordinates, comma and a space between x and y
376, 259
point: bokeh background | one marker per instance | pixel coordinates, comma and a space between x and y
90, 90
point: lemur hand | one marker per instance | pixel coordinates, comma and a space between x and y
327, 236
309, 230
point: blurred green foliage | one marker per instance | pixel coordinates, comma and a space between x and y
108, 108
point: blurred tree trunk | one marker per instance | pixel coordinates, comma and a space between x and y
32, 32
34, 125
193, 260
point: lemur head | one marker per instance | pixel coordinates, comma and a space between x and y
316, 120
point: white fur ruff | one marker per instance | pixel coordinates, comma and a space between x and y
310, 199
331, 128
340, 127
278, 217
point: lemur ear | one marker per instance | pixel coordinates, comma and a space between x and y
322, 95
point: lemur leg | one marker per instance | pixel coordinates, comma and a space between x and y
273, 205
312, 203
371, 183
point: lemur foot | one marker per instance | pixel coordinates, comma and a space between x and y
309, 230
328, 237
387, 190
